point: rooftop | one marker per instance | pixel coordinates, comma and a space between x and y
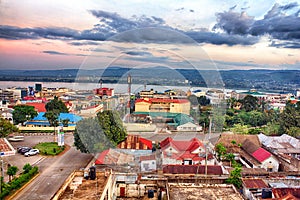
254, 183
261, 154
193, 169
72, 117
203, 192
79, 188
135, 142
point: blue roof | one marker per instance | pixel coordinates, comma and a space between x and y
72, 117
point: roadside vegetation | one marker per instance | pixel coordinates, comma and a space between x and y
17, 182
49, 148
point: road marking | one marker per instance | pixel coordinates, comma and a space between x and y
38, 161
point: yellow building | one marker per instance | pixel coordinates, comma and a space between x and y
163, 105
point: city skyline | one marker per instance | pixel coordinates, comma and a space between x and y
178, 34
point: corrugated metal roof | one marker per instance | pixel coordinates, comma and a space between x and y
72, 117
261, 154
254, 183
249, 146
286, 193
179, 145
278, 142
135, 142
193, 169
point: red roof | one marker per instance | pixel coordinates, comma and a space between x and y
101, 157
156, 100
30, 98
193, 169
254, 183
39, 107
261, 154
180, 145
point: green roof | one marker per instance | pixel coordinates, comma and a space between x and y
179, 118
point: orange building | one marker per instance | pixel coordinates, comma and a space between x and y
163, 105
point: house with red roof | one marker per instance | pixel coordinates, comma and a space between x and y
183, 152
134, 151
264, 159
267, 160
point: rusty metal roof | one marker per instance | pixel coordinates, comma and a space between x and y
254, 183
135, 142
193, 169
286, 193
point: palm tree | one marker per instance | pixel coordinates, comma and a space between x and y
52, 117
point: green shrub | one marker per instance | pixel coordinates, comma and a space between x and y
17, 183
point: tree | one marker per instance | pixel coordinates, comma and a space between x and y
89, 137
221, 150
250, 103
52, 117
6, 128
27, 167
203, 101
11, 171
57, 105
289, 119
94, 135
23, 113
65, 122
235, 177
112, 126
230, 157
239, 129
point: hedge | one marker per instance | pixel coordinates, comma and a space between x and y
17, 183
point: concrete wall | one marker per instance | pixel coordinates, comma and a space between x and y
272, 161
25, 128
180, 108
148, 165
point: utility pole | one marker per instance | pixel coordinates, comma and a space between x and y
209, 132
2, 175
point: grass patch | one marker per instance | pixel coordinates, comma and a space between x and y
49, 148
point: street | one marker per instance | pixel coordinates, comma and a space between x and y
53, 172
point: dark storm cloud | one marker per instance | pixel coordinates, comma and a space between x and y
234, 22
276, 23
54, 53
138, 53
16, 33
222, 38
238, 29
84, 43
61, 53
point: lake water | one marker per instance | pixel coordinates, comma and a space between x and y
119, 88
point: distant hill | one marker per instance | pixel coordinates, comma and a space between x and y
279, 80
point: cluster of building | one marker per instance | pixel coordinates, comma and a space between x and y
166, 154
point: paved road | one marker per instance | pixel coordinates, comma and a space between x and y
53, 173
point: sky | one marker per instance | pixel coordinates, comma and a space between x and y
92, 34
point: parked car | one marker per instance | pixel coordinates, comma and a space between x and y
23, 150
16, 138
32, 152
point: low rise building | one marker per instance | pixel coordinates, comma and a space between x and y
163, 105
